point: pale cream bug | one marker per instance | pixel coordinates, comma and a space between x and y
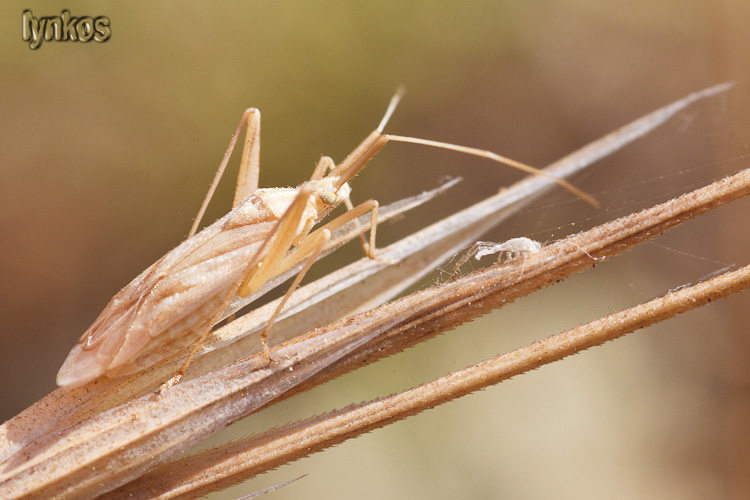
177, 300
508, 249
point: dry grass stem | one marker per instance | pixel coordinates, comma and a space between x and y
219, 468
434, 310
65, 407
399, 324
83, 442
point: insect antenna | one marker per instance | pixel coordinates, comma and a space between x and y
482, 153
377, 139
391, 108
358, 158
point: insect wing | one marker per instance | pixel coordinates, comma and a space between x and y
170, 304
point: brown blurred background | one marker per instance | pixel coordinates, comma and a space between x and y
106, 151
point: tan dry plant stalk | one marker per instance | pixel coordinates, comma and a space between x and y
429, 312
215, 469
83, 442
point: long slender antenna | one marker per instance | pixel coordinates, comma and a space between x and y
391, 108
482, 153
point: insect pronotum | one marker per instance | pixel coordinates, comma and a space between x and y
177, 300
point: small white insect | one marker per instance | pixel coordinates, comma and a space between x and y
508, 249
177, 300
511, 248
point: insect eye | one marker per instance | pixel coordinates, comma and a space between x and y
328, 197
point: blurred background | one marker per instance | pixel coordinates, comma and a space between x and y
107, 149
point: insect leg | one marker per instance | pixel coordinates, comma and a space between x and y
473, 249
196, 346
351, 214
312, 245
350, 206
247, 179
275, 250
273, 265
249, 167
325, 165
278, 244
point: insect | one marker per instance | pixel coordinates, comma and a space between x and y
509, 249
177, 300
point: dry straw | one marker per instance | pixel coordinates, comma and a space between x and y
120, 439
